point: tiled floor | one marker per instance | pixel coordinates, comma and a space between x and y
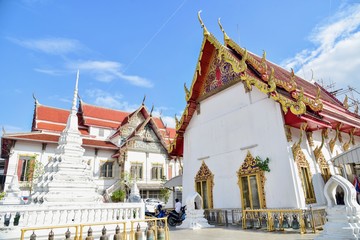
234, 233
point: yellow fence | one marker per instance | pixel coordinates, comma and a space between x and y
158, 226
297, 220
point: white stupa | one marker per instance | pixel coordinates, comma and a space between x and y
67, 177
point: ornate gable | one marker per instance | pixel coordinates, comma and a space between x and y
204, 173
249, 165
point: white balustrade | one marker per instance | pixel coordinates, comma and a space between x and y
39, 215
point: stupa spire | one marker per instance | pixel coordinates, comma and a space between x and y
73, 108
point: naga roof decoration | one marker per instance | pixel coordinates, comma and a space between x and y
222, 65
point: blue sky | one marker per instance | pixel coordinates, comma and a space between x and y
128, 49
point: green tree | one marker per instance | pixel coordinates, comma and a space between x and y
118, 196
34, 171
2, 195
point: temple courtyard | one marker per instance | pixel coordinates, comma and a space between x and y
234, 233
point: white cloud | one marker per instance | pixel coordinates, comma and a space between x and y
107, 71
12, 129
51, 72
169, 121
55, 46
108, 100
336, 50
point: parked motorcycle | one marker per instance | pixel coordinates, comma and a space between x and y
175, 219
159, 213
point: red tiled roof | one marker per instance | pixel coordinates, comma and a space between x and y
309, 88
159, 123
100, 123
103, 113
52, 138
51, 114
171, 132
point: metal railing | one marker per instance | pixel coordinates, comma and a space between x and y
299, 220
151, 228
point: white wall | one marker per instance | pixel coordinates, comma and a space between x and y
229, 121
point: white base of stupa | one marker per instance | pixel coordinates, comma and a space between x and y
195, 220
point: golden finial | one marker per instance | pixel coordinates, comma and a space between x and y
263, 59
345, 103
206, 32
318, 93
3, 130
187, 92
301, 94
36, 101
226, 37
143, 101
271, 81
152, 109
176, 121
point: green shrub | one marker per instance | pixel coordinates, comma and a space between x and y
118, 196
2, 195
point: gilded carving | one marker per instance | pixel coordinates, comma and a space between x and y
324, 166
324, 134
310, 138
187, 92
204, 174
302, 130
345, 103
249, 167
301, 162
333, 141
351, 139
288, 133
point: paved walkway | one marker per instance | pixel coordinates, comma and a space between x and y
234, 233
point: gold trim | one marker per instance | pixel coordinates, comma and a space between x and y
345, 103
204, 174
309, 136
333, 141
301, 162
288, 133
351, 138
324, 135
302, 129
249, 167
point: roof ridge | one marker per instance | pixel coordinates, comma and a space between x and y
107, 108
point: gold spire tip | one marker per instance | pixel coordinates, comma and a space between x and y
202, 24
226, 37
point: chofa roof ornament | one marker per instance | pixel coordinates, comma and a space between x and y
206, 32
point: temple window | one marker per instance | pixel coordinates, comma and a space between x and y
101, 132
106, 170
25, 168
204, 182
251, 182
157, 172
324, 166
305, 174
136, 170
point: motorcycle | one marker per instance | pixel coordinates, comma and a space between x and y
159, 213
176, 219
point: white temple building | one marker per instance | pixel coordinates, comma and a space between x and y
116, 146
241, 107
